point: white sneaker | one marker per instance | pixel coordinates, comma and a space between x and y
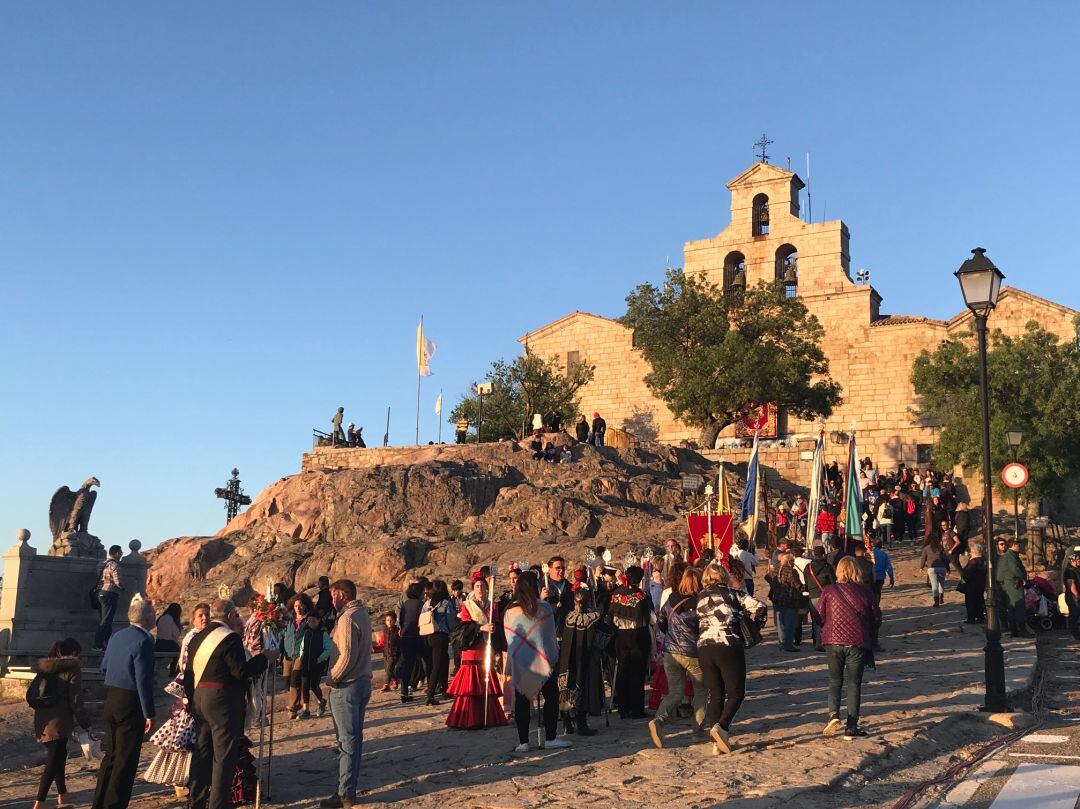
558, 741
522, 748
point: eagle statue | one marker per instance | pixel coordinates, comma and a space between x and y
70, 511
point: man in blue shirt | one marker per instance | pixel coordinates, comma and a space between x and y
128, 667
882, 569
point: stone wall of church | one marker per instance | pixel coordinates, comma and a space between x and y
618, 390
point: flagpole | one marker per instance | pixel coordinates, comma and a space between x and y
419, 355
439, 413
757, 492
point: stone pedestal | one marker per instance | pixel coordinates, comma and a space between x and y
47, 598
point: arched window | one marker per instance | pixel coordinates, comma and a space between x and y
761, 215
734, 271
787, 268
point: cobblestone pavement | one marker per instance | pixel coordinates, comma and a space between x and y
918, 704
1042, 768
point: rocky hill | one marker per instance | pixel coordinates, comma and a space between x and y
439, 511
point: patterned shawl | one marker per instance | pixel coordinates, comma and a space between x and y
533, 650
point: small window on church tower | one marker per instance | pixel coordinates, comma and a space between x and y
573, 360
761, 215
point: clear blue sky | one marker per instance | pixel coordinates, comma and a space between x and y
218, 222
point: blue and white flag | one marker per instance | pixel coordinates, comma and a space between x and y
748, 511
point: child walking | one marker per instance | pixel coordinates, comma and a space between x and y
391, 650
312, 657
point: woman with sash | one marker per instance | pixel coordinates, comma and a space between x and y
475, 682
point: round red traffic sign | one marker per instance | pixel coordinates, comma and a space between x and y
1014, 475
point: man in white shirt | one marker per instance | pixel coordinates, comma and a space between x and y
750, 562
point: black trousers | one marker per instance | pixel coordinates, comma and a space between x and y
219, 717
632, 652
410, 651
439, 648
56, 754
975, 604
125, 726
724, 670
522, 710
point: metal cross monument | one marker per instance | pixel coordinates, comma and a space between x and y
233, 496
761, 144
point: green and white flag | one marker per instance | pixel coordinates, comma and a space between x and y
852, 494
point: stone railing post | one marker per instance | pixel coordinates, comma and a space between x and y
16, 577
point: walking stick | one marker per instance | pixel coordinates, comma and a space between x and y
488, 650
611, 702
539, 724
262, 733
270, 751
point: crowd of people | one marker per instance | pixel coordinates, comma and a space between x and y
564, 643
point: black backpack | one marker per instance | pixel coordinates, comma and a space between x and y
44, 692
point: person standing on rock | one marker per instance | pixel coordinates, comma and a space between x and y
532, 652
461, 430
338, 437
581, 430
108, 591
849, 623
721, 653
599, 430
349, 679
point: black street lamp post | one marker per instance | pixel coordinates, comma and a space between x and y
980, 282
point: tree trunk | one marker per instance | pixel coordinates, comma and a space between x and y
709, 434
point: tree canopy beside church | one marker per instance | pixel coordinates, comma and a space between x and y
713, 359
527, 385
1034, 384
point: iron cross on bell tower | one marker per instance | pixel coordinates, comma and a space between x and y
762, 144
233, 496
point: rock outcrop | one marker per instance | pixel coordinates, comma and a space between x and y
439, 515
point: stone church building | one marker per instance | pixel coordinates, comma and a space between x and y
870, 353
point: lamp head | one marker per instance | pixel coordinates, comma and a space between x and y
980, 282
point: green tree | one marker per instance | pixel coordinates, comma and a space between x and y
1034, 384
713, 358
526, 385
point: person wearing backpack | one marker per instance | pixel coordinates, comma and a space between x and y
57, 699
884, 520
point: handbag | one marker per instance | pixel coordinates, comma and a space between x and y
746, 628
427, 622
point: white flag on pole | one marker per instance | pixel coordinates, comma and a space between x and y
438, 405
425, 349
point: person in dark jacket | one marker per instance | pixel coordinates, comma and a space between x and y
973, 584
581, 430
53, 724
215, 682
580, 678
819, 575
678, 621
324, 604
785, 592
391, 650
849, 623
1010, 575
409, 623
128, 666
599, 429
630, 612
